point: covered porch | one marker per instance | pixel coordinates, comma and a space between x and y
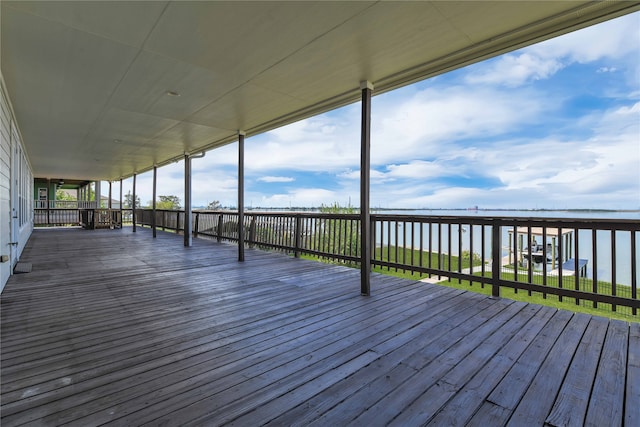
116, 327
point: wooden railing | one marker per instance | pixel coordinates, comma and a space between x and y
87, 218
56, 217
65, 204
100, 218
590, 260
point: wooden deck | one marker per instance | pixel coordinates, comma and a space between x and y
116, 327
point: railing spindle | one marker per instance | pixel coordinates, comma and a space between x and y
496, 258
613, 267
576, 264
634, 272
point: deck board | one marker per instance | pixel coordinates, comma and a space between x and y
115, 327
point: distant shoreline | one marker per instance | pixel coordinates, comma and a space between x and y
379, 209
507, 209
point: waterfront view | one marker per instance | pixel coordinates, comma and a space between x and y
585, 251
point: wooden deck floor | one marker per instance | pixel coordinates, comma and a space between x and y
116, 327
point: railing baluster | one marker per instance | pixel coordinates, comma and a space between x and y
576, 263
412, 246
530, 259
594, 257
440, 257
389, 241
298, 235
449, 235
483, 259
634, 272
252, 231
544, 257
460, 228
395, 259
558, 254
404, 245
421, 245
334, 223
496, 258
471, 253
517, 254
613, 266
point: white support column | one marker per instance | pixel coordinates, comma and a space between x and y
365, 165
241, 135
187, 201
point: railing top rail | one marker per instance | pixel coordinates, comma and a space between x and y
565, 223
285, 214
581, 223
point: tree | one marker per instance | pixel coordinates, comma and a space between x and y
64, 195
168, 203
128, 199
214, 206
338, 235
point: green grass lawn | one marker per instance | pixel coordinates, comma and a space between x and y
583, 306
409, 256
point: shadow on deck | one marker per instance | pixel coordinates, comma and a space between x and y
114, 326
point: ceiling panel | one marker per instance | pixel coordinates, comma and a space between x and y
245, 107
89, 80
239, 40
145, 87
127, 22
364, 48
191, 136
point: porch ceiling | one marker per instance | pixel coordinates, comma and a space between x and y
89, 81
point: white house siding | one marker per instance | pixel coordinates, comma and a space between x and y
16, 190
5, 198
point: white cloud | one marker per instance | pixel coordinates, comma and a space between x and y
419, 169
610, 40
354, 175
425, 124
299, 197
276, 179
516, 69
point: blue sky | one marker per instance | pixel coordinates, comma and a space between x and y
555, 125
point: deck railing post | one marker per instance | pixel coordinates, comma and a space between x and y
298, 236
120, 202
188, 228
219, 227
133, 204
365, 174
196, 224
153, 202
496, 258
241, 135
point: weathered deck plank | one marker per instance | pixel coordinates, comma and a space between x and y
119, 328
632, 409
604, 407
573, 398
508, 389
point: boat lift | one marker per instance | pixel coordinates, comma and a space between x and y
538, 251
